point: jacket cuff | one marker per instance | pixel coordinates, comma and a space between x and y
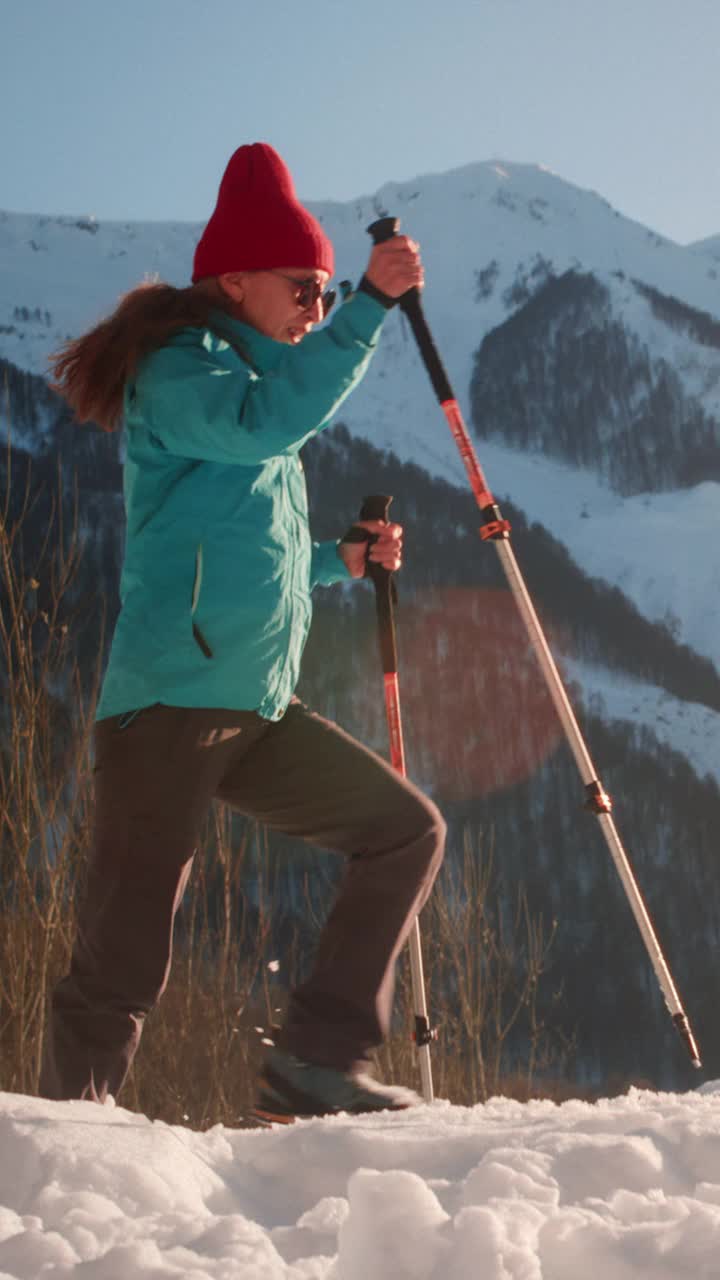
384, 299
328, 567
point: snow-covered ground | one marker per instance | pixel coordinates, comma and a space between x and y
623, 1189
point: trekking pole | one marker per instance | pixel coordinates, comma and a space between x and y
497, 530
376, 508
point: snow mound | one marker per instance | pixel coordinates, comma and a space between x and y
626, 1189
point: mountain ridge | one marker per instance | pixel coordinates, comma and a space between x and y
492, 234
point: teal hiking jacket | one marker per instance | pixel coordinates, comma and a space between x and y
219, 563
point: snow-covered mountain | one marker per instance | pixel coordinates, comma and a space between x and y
496, 238
489, 234
710, 246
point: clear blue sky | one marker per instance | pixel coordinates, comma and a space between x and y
131, 108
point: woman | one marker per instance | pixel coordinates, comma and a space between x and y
220, 385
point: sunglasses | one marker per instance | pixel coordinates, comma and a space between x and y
307, 292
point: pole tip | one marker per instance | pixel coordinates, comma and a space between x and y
688, 1039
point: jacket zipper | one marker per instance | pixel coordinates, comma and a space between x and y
197, 633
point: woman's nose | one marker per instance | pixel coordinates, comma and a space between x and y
316, 311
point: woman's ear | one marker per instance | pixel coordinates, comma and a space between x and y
232, 284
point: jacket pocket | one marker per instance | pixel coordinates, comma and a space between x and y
198, 636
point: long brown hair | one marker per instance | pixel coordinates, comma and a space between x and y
90, 372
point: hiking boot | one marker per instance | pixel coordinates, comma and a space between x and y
290, 1088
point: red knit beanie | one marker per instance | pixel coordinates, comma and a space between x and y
258, 222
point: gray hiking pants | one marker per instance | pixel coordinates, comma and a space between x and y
302, 775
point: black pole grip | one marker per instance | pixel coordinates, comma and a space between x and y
384, 229
377, 507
